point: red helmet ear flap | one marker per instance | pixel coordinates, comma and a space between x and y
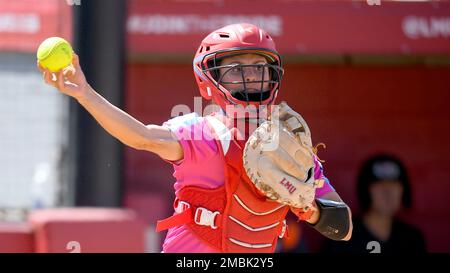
205, 91
202, 82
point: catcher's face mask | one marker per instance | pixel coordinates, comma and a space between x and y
248, 77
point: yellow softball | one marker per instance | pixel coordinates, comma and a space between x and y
54, 53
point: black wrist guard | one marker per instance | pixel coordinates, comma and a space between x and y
334, 221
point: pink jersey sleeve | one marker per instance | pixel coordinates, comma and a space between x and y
318, 174
201, 164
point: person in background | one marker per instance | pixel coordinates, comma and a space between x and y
383, 191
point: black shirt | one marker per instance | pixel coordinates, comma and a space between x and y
404, 239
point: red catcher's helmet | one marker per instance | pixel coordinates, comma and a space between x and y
234, 40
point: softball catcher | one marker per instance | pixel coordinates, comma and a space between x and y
239, 170
266, 172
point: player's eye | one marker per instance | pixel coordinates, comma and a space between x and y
236, 69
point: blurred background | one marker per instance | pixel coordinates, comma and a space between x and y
369, 76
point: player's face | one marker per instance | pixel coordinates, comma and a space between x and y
252, 71
386, 197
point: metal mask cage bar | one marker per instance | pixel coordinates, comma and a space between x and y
262, 74
273, 66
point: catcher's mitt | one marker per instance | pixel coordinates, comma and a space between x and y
279, 159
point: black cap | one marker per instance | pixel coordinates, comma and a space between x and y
378, 168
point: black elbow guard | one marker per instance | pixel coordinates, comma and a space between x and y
334, 221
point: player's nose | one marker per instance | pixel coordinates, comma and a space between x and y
250, 75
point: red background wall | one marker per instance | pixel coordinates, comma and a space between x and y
355, 110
